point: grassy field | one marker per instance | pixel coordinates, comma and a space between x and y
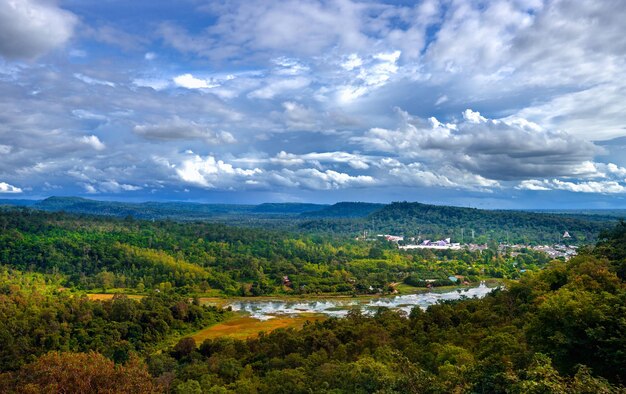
242, 327
107, 296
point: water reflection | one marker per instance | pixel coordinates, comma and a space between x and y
265, 310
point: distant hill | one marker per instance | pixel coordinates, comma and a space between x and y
17, 202
147, 210
517, 226
165, 210
290, 207
584, 213
410, 219
467, 224
345, 210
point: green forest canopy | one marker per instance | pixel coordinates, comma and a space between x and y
558, 330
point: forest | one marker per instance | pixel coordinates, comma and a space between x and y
106, 253
410, 219
552, 327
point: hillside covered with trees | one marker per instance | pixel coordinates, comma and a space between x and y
104, 253
557, 330
411, 219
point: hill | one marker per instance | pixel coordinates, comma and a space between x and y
287, 208
345, 210
410, 219
413, 219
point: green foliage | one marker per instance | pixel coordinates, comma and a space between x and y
35, 319
435, 222
560, 330
96, 253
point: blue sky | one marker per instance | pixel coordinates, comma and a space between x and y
493, 104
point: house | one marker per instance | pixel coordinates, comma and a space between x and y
394, 238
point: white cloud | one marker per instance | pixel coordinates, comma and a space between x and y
188, 81
605, 187
93, 81
154, 83
109, 186
211, 173
299, 117
93, 141
352, 61
176, 128
30, 28
373, 72
6, 188
442, 99
88, 115
289, 66
312, 178
355, 161
112, 186
596, 113
473, 117
616, 170
274, 87
415, 174
533, 184
492, 148
5, 149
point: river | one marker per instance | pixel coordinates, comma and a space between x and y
339, 307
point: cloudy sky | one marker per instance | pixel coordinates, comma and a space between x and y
507, 104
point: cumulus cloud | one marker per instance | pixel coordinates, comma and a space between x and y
30, 28
367, 74
313, 98
181, 129
109, 186
267, 26
315, 179
6, 188
92, 141
595, 113
355, 161
211, 173
188, 81
492, 148
415, 174
606, 187
299, 117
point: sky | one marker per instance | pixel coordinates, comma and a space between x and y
488, 104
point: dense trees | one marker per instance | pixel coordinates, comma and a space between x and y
101, 254
435, 221
79, 373
559, 329
36, 318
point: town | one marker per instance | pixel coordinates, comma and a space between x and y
562, 250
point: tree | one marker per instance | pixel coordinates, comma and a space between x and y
81, 373
184, 347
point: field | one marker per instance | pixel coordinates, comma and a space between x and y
243, 327
107, 296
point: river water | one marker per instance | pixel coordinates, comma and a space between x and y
339, 307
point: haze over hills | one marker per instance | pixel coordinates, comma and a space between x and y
349, 218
